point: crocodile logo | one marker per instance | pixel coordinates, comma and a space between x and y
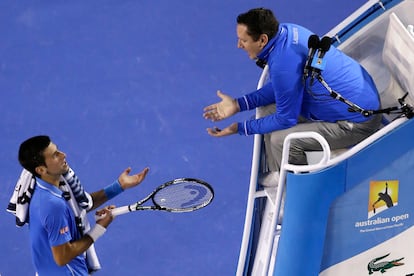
383, 266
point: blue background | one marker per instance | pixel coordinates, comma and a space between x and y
123, 83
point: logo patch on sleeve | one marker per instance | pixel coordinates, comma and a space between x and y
64, 230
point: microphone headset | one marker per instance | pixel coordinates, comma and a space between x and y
313, 45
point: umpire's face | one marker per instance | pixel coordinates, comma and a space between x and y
247, 43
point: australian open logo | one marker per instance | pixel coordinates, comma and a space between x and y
382, 196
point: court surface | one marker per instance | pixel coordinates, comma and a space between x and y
123, 83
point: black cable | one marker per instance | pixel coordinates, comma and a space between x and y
404, 108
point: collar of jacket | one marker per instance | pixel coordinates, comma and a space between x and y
263, 56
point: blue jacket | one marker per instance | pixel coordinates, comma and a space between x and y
286, 55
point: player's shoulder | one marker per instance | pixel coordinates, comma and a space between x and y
48, 198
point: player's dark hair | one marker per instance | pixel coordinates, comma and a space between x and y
31, 153
259, 21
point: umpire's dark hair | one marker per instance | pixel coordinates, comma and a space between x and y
31, 153
259, 21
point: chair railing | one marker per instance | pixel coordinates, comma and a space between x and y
253, 193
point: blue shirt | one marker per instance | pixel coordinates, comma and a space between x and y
52, 223
286, 55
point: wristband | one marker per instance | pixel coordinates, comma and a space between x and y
96, 232
113, 190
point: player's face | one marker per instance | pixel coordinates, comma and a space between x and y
246, 42
55, 161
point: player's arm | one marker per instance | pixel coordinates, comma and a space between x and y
64, 253
125, 181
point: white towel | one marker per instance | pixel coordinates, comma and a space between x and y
78, 199
19, 202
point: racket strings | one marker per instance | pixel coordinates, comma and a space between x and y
183, 196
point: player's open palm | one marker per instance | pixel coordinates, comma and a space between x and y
129, 181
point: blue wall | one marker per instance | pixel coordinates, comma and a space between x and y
123, 83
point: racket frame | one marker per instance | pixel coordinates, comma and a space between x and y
137, 206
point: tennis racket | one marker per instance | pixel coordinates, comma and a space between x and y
179, 195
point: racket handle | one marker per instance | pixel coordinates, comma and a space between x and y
120, 211
115, 212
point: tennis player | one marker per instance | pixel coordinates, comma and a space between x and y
58, 245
